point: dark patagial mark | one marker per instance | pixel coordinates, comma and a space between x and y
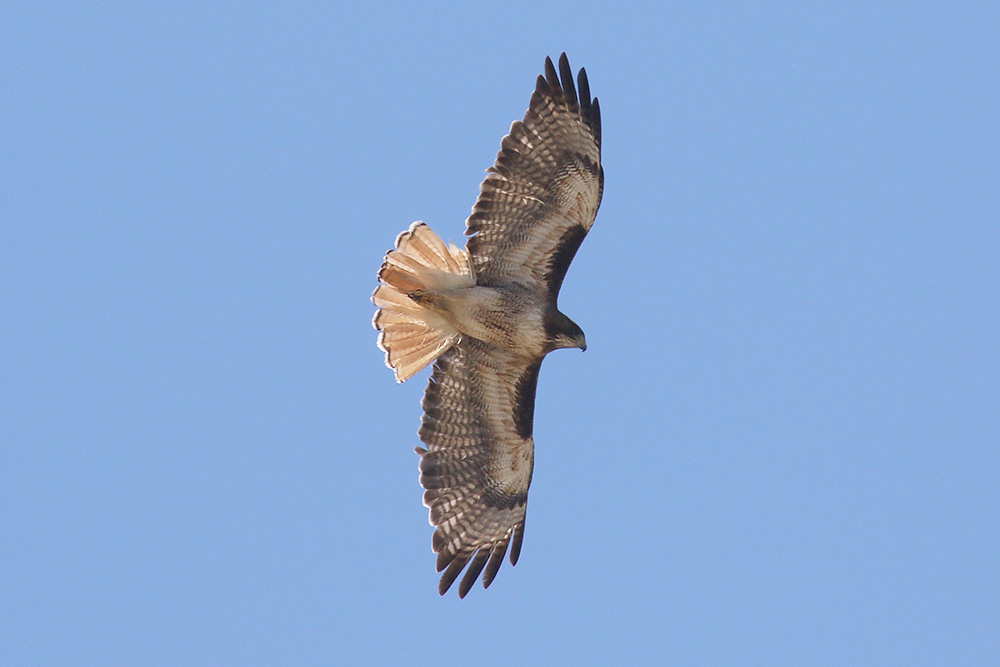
563, 256
524, 397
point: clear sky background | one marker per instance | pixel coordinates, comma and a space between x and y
782, 446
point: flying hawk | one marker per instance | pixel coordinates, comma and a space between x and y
487, 314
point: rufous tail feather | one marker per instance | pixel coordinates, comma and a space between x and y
412, 336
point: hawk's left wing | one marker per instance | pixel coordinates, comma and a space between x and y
541, 196
477, 425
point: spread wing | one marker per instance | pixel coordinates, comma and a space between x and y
477, 425
540, 198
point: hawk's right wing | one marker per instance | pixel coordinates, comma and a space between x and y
477, 425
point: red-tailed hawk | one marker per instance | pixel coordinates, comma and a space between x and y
488, 315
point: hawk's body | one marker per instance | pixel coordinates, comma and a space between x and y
488, 316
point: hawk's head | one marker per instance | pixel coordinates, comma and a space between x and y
563, 332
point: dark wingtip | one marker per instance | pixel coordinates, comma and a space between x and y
515, 547
583, 84
550, 73
577, 97
566, 75
541, 85
449, 576
595, 124
496, 560
475, 567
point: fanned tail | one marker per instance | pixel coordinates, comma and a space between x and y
410, 335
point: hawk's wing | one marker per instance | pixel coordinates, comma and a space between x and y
478, 412
541, 196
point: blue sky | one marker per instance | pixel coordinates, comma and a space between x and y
782, 445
